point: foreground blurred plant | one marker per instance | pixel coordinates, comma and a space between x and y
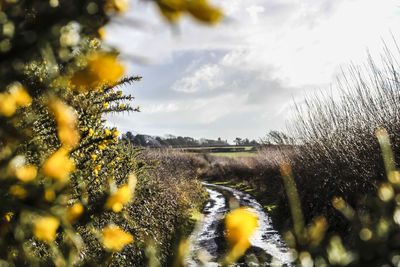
66, 179
240, 225
374, 236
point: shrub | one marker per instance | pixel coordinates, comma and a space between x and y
68, 183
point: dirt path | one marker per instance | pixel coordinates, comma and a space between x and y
208, 241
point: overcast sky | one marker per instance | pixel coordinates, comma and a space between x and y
241, 78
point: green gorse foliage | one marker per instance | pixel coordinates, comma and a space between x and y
72, 193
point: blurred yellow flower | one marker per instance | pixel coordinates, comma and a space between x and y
94, 157
64, 114
116, 133
172, 9
26, 173
121, 5
102, 69
203, 11
44, 228
74, 212
7, 104
115, 239
240, 225
8, 216
122, 106
66, 119
58, 166
69, 136
119, 198
105, 104
21, 96
91, 132
119, 93
49, 195
107, 132
16, 97
102, 33
18, 191
106, 67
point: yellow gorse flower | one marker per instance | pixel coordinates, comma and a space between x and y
101, 69
102, 146
26, 173
58, 166
44, 228
8, 216
18, 191
102, 33
201, 10
106, 67
21, 96
16, 97
121, 5
119, 198
66, 119
240, 225
7, 105
49, 195
63, 113
74, 212
115, 239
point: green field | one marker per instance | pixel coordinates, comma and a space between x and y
234, 154
227, 151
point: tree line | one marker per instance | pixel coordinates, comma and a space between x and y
144, 140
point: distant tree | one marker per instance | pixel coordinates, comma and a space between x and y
128, 136
253, 143
161, 141
238, 141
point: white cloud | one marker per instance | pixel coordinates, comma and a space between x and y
254, 12
205, 78
250, 68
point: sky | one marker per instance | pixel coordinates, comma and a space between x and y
242, 77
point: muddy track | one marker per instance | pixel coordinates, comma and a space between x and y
208, 241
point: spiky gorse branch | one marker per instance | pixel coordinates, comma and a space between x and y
57, 157
66, 179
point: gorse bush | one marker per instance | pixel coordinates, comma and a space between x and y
68, 183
